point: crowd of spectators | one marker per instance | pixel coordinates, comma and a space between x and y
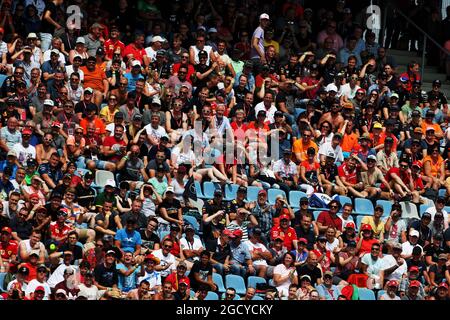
118, 116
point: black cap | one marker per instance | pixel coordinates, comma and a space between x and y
437, 82
416, 141
23, 270
389, 122
248, 64
304, 199
88, 175
257, 231
388, 140
242, 189
396, 205
314, 66
262, 112
394, 108
413, 96
119, 115
31, 162
56, 195
351, 244
174, 227
430, 113
203, 53
12, 101
131, 220
426, 215
287, 151
91, 58
7, 171
278, 113
417, 83
218, 192
161, 52
160, 168
416, 113
311, 150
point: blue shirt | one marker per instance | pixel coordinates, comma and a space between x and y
127, 283
329, 294
4, 164
128, 241
54, 173
132, 80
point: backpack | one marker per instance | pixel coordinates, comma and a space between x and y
319, 200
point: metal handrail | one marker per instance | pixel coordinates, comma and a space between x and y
425, 34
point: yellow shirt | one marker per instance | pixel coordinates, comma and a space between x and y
377, 229
107, 115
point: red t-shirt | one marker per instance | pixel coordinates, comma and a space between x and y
190, 72
174, 280
402, 174
110, 141
347, 175
8, 249
138, 54
56, 231
111, 46
33, 271
326, 219
289, 236
366, 245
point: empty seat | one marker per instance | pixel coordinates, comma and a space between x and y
294, 198
344, 199
387, 206
102, 176
252, 193
211, 296
193, 222
230, 192
198, 190
363, 207
366, 294
423, 208
217, 279
273, 193
236, 282
252, 281
409, 210
380, 293
208, 189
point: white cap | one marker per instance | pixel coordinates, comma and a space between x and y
264, 16
169, 189
49, 102
89, 89
55, 51
372, 156
220, 86
212, 30
331, 87
110, 182
414, 232
135, 63
331, 155
62, 291
156, 100
158, 39
32, 35
81, 40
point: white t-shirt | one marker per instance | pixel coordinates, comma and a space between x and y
165, 260
155, 133
374, 266
327, 147
407, 248
185, 158
91, 293
257, 247
58, 275
110, 127
347, 91
389, 261
154, 279
150, 53
33, 284
283, 289
61, 59
185, 245
330, 246
432, 211
270, 114
23, 154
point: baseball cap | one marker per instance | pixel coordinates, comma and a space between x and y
414, 233
365, 136
414, 284
88, 175
262, 191
56, 195
303, 240
429, 113
55, 51
227, 232
350, 224
7, 230
218, 192
81, 40
242, 189
331, 155
305, 277
23, 270
377, 125
111, 252
97, 25
443, 256
119, 115
110, 182
264, 16
100, 51
365, 227
331, 87
392, 283
418, 130
212, 30
26, 131
174, 227
88, 90
153, 258
170, 189
12, 101
189, 227
389, 122
32, 35
351, 244
157, 39
49, 102
413, 269
11, 153
285, 217
437, 82
137, 117
135, 63
372, 157
238, 233
394, 95
278, 237
417, 164
41, 288
202, 53
304, 200
443, 285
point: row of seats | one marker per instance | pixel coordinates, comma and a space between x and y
361, 206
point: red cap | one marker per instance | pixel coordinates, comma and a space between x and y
361, 90
350, 224
413, 268
2, 31
27, 131
278, 236
264, 192
414, 283
366, 227
184, 281
443, 285
238, 233
34, 195
303, 240
7, 229
56, 124
285, 216
39, 288
392, 283
417, 163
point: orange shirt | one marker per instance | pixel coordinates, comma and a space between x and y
436, 127
301, 148
349, 142
99, 125
94, 79
435, 166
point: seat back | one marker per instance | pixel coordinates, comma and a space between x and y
252, 193
198, 190
344, 199
193, 222
358, 221
101, 176
294, 198
409, 210
218, 280
211, 296
363, 207
208, 189
252, 281
387, 207
380, 293
230, 191
236, 282
273, 193
366, 294
423, 208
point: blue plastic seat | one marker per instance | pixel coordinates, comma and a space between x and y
344, 199
236, 282
252, 281
230, 192
257, 298
252, 193
211, 296
273, 193
217, 279
294, 198
208, 189
447, 208
193, 222
423, 208
380, 293
366, 294
363, 207
316, 214
198, 190
162, 234
387, 207
442, 192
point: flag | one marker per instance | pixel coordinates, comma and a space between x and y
189, 190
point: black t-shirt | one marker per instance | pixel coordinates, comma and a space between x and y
151, 154
210, 234
47, 27
171, 207
85, 196
439, 272
23, 228
76, 250
308, 235
52, 212
202, 270
419, 264
149, 241
433, 252
112, 224
106, 277
314, 273
330, 172
220, 253
446, 238
240, 93
81, 107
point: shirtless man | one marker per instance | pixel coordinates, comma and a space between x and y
334, 116
370, 177
45, 149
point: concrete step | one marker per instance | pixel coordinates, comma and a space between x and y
428, 69
393, 52
405, 60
